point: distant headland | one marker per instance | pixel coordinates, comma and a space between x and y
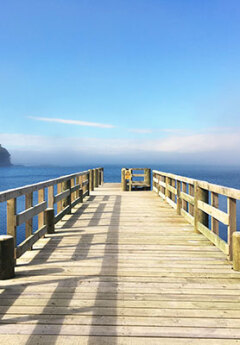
5, 157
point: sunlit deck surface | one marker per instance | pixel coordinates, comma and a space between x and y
124, 268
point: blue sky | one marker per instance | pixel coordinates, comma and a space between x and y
150, 79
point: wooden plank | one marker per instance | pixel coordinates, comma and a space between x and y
172, 189
188, 216
214, 212
188, 198
61, 214
30, 213
75, 188
29, 242
172, 203
216, 240
61, 196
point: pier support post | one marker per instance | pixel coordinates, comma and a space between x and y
236, 250
7, 261
49, 220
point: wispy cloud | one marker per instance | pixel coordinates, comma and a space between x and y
72, 122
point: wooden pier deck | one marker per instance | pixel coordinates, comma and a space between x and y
123, 268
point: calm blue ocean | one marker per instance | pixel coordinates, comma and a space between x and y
18, 176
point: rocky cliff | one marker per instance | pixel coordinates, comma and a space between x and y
4, 157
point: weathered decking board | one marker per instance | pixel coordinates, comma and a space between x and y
124, 268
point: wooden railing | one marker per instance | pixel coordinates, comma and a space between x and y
69, 191
129, 182
197, 200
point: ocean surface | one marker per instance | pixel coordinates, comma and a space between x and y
18, 176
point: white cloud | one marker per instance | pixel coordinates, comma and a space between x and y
72, 122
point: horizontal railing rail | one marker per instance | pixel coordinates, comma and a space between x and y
55, 198
196, 200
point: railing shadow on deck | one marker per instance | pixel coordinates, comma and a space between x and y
81, 251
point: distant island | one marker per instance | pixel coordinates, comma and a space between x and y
5, 157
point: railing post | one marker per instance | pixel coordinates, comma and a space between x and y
184, 202
166, 189
11, 219
88, 185
236, 250
60, 203
179, 200
147, 176
91, 182
51, 196
29, 223
95, 178
123, 180
173, 184
214, 222
49, 220
81, 195
202, 216
7, 260
191, 192
73, 195
68, 200
98, 180
158, 185
130, 181
102, 182
161, 178
100, 176
232, 227
196, 210
41, 198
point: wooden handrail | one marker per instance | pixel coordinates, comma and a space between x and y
190, 197
71, 190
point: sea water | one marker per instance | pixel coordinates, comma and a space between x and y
18, 176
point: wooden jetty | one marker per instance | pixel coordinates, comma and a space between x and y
108, 266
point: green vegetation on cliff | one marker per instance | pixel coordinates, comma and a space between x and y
4, 157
